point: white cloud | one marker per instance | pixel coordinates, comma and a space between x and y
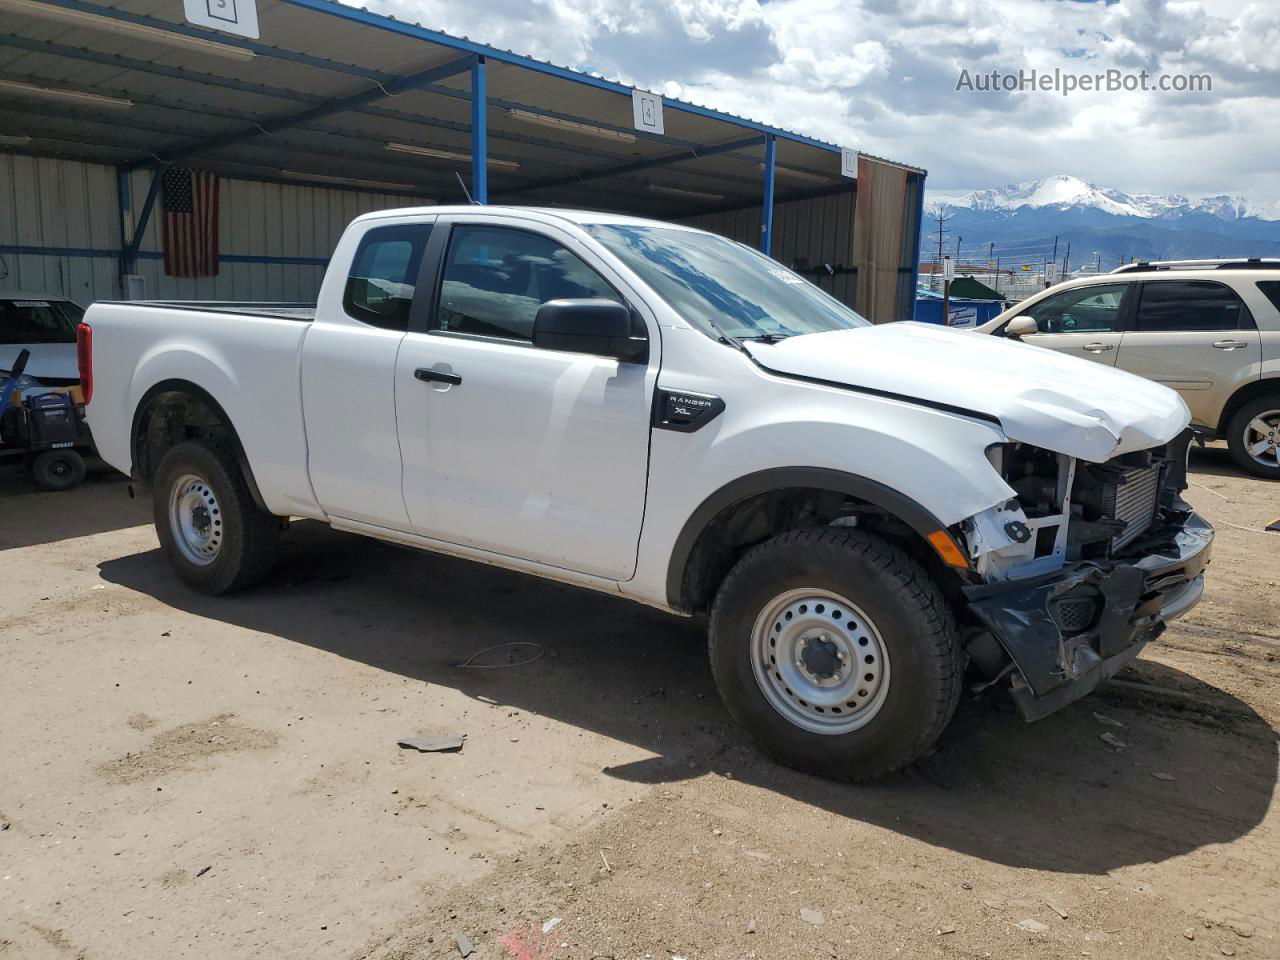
880, 75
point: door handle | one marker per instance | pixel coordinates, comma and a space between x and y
1097, 347
436, 376
1229, 345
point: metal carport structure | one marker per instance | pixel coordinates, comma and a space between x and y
339, 97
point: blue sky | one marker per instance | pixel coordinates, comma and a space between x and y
880, 75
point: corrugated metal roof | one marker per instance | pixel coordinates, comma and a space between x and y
313, 52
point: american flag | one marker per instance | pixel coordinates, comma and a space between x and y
190, 222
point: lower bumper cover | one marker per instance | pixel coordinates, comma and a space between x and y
1128, 603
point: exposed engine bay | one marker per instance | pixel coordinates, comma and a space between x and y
1069, 510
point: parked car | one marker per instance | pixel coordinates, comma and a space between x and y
658, 412
41, 426
1210, 330
46, 326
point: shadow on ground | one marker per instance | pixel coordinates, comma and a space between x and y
30, 515
1048, 795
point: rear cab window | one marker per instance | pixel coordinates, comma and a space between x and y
38, 321
384, 275
1190, 306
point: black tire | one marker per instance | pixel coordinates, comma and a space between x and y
915, 625
1238, 433
57, 469
247, 535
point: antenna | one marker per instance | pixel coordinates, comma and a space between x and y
465, 192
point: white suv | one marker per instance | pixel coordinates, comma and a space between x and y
1208, 329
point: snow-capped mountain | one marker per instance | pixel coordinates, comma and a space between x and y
1105, 225
1065, 192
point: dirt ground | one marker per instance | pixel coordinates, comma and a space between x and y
183, 776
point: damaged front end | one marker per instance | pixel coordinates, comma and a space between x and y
1082, 569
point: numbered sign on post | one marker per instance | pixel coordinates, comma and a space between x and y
646, 111
230, 16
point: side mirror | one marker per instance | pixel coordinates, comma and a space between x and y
1020, 327
599, 327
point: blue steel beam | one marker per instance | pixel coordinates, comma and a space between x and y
214, 80
766, 211
505, 56
636, 166
184, 30
340, 105
96, 118
418, 32
479, 132
140, 225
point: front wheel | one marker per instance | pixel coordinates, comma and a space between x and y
1253, 437
217, 538
836, 652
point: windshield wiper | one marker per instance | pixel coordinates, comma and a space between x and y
767, 338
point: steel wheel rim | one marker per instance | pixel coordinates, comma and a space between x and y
820, 661
195, 520
1262, 438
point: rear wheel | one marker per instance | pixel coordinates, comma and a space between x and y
1253, 437
217, 539
57, 469
836, 652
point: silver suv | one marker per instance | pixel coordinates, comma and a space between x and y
1208, 329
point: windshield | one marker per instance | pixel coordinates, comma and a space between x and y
38, 321
721, 286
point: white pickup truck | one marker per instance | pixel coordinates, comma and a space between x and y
655, 411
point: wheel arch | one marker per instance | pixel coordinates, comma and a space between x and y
756, 506
174, 410
1251, 391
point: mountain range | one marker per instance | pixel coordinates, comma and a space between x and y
1100, 223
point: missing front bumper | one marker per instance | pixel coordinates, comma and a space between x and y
1068, 632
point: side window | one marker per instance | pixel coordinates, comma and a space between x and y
1093, 309
496, 278
384, 273
1190, 305
1271, 289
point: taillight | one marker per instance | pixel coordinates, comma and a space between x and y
84, 358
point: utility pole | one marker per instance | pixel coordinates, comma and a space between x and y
939, 214
958, 239
1066, 260
1055, 260
997, 274
1097, 261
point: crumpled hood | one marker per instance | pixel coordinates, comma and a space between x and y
1060, 403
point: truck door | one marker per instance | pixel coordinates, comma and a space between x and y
348, 369
536, 454
1196, 336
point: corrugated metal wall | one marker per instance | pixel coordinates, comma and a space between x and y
811, 235
262, 220
61, 205
808, 236
68, 212
59, 233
